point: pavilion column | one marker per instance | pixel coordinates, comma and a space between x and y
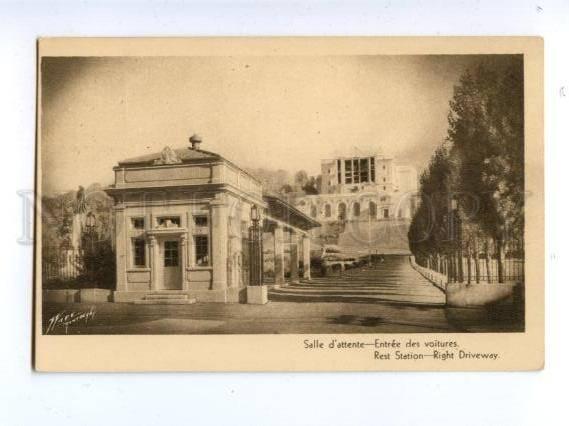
184, 256
306, 257
121, 248
294, 257
278, 234
219, 241
237, 245
154, 267
234, 267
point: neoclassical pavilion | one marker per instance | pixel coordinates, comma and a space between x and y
182, 220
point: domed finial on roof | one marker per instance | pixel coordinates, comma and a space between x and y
195, 140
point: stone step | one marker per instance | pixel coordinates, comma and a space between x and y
416, 299
165, 301
158, 296
401, 290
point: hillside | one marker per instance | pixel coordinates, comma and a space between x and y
384, 237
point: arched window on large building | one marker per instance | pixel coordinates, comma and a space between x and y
327, 210
356, 209
313, 211
341, 211
372, 210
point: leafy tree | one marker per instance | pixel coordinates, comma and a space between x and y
301, 178
319, 183
486, 129
311, 186
429, 231
480, 164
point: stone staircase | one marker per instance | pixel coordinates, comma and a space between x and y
384, 236
393, 281
387, 237
166, 298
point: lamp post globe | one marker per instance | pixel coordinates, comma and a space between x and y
255, 213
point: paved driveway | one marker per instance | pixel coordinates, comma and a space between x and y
278, 318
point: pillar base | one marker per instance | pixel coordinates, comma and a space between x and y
228, 295
257, 295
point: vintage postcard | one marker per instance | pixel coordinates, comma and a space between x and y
289, 204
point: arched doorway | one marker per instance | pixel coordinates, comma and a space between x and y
372, 210
356, 209
342, 211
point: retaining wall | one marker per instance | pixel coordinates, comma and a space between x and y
473, 294
85, 295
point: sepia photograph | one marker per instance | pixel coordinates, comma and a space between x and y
285, 194
284, 213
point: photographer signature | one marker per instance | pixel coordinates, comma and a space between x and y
65, 319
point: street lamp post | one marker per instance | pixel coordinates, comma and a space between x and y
457, 223
255, 249
87, 262
90, 226
369, 239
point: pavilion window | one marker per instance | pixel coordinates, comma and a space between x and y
200, 221
339, 165
201, 240
372, 168
138, 253
137, 222
202, 250
356, 171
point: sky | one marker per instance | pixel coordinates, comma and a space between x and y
276, 112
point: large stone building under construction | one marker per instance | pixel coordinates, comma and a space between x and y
371, 187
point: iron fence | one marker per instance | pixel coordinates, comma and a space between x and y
70, 267
464, 265
62, 264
